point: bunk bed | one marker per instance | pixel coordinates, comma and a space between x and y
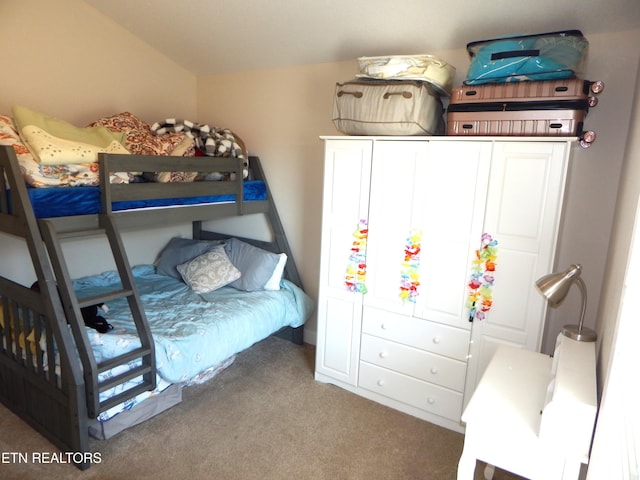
50, 372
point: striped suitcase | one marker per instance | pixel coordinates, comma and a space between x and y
388, 107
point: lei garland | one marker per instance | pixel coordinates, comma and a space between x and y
482, 278
357, 267
409, 271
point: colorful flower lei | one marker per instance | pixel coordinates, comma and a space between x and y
409, 272
482, 278
357, 267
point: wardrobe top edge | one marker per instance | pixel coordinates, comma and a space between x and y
445, 138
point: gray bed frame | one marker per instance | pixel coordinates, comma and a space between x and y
38, 326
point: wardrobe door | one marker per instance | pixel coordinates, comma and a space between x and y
453, 204
426, 212
524, 204
344, 218
397, 178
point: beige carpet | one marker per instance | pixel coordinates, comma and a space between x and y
263, 418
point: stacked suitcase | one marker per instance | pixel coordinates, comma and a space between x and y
394, 95
525, 86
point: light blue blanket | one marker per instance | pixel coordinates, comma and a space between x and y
192, 332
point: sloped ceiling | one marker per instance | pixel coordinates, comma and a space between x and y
215, 36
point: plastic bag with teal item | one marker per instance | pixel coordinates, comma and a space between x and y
544, 56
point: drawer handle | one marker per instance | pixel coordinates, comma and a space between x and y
383, 354
431, 401
436, 340
380, 383
434, 370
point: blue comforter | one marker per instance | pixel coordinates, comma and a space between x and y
192, 332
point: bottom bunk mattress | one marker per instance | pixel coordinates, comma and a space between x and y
196, 336
192, 332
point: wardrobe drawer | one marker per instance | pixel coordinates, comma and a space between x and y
423, 395
426, 366
415, 332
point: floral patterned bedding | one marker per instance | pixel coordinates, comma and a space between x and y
40, 175
139, 139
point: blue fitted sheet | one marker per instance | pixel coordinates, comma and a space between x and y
192, 332
50, 202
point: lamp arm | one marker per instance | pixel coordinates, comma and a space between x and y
583, 291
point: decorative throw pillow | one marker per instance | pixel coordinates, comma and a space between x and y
181, 250
257, 265
209, 271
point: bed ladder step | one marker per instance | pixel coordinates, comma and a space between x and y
122, 359
124, 396
72, 305
84, 232
104, 298
122, 378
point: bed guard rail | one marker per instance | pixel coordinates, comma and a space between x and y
121, 192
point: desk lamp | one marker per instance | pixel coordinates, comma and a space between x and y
555, 286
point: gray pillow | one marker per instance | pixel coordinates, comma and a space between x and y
181, 250
255, 264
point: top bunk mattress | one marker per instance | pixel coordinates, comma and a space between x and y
70, 201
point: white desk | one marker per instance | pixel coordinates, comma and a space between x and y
532, 415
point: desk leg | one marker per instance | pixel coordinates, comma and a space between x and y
571, 469
466, 466
555, 467
489, 470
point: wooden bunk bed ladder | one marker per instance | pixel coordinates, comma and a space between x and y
50, 398
145, 353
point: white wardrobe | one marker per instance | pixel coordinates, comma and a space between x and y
430, 250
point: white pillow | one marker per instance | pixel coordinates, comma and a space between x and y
209, 271
274, 282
